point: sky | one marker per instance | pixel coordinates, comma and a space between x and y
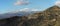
15, 5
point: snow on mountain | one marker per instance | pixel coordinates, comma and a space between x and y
28, 10
21, 12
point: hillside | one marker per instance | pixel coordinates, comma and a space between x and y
49, 17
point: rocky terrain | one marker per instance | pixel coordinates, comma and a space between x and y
49, 17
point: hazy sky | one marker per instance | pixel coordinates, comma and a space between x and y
12, 5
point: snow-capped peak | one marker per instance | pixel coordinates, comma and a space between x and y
21, 12
28, 9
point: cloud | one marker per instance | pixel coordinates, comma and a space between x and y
21, 2
28, 9
57, 3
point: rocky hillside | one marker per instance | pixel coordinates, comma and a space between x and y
49, 17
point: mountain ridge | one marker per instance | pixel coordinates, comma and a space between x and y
49, 17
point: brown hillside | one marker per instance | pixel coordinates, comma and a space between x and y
49, 17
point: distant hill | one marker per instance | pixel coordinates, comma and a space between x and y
19, 13
49, 17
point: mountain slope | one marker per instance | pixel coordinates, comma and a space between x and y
49, 17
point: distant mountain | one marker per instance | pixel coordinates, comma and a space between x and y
19, 13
